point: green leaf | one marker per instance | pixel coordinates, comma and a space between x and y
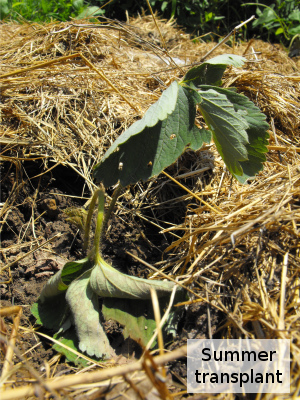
279, 31
266, 17
51, 313
154, 142
159, 111
35, 312
4, 8
228, 59
209, 16
136, 317
53, 287
174, 3
211, 71
228, 128
90, 12
106, 281
83, 303
73, 269
69, 339
295, 15
295, 30
164, 5
256, 132
60, 281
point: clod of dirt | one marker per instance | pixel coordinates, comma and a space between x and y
50, 206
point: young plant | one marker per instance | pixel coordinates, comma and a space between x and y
70, 298
239, 130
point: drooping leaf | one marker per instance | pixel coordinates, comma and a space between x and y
171, 326
52, 312
136, 317
60, 281
70, 339
106, 281
52, 309
84, 306
154, 142
53, 287
256, 131
74, 269
210, 72
80, 300
228, 128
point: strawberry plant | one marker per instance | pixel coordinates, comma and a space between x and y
71, 296
70, 299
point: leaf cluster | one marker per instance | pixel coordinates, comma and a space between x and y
168, 128
69, 303
279, 19
77, 298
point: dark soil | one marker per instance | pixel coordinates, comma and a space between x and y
44, 199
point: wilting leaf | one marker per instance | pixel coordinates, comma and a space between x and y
135, 316
53, 287
70, 339
83, 303
106, 281
79, 299
74, 269
60, 281
52, 312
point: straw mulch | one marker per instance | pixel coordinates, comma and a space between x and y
236, 247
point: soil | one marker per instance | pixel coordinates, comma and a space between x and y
44, 200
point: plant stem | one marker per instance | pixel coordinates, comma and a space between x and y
89, 220
112, 204
99, 224
87, 227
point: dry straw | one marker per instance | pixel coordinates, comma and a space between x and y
68, 90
